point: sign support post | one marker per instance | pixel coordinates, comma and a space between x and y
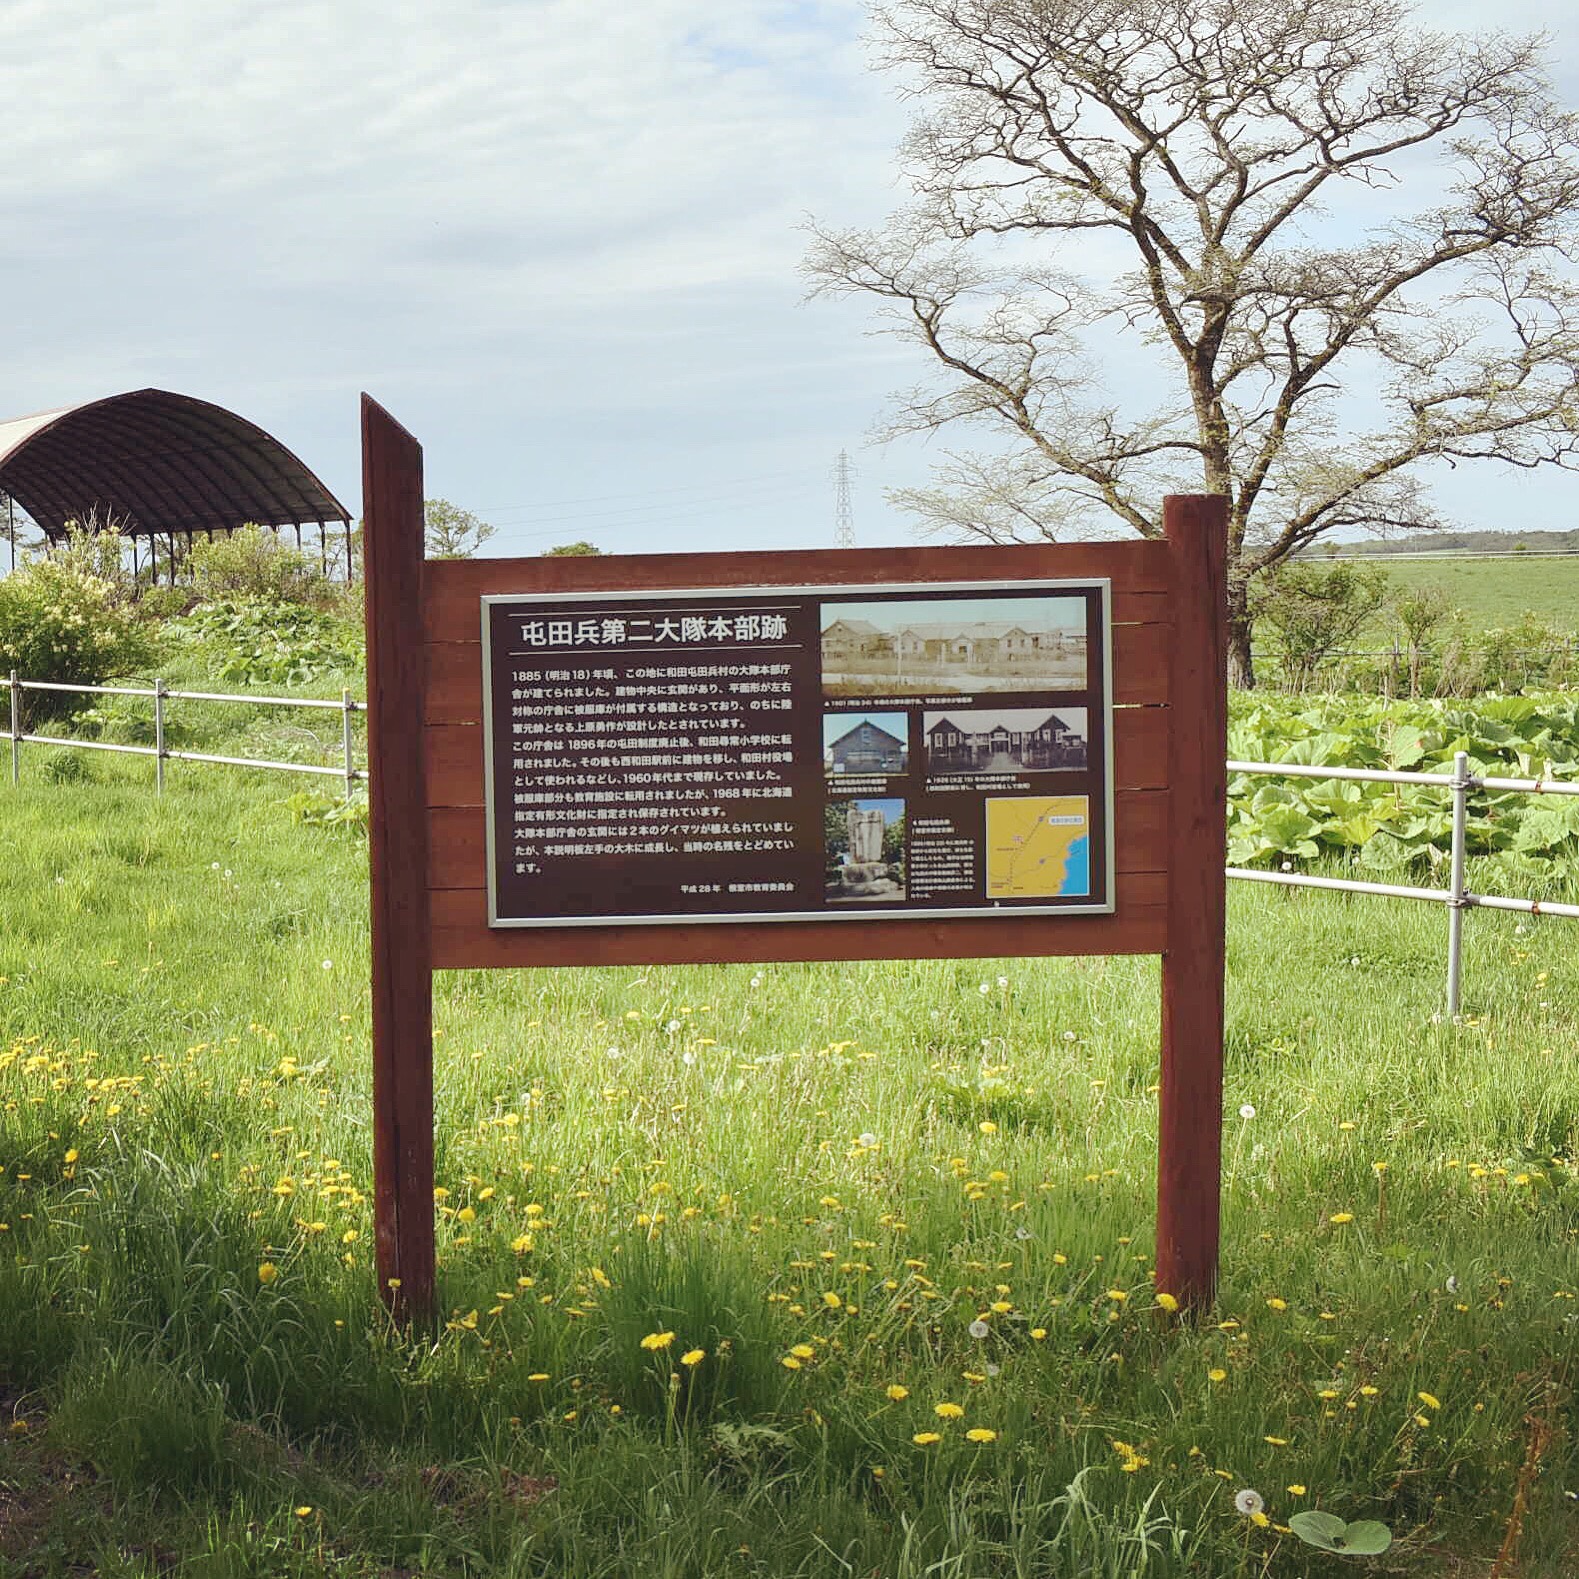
1190, 1103
402, 960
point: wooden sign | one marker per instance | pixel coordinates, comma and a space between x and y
442, 769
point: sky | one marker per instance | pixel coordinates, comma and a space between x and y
559, 240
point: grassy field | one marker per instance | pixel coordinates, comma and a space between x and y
1496, 592
777, 1271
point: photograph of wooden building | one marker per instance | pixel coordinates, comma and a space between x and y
865, 743
961, 645
1012, 740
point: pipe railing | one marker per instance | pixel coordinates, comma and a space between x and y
347, 707
1456, 896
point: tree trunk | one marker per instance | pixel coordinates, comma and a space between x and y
1241, 665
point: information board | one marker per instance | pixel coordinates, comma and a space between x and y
798, 753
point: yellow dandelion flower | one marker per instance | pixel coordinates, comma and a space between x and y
896, 1392
831, 1300
1422, 1421
790, 1363
1117, 1295
1038, 1333
1168, 1303
1217, 1375
657, 1340
987, 1127
1428, 1400
980, 1433
926, 1438
1277, 1304
267, 1272
1276, 1441
538, 1376
802, 1351
1368, 1391
1260, 1520
947, 1411
1296, 1490
693, 1356
305, 1511
1341, 1217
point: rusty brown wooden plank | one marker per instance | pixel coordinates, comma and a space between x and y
454, 695
1190, 1104
402, 980
450, 611
457, 849
455, 763
462, 939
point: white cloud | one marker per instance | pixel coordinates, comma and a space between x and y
558, 237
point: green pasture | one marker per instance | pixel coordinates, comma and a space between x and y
788, 1270
1495, 593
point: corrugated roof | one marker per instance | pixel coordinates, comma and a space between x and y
154, 461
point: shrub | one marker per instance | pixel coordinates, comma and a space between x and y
254, 563
61, 620
257, 641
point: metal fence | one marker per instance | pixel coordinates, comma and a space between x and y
1456, 896
347, 707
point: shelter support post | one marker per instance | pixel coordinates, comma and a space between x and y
1189, 1142
402, 962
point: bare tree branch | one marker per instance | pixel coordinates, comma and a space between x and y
1314, 360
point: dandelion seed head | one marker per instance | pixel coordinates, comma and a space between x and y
1247, 1110
978, 1328
1249, 1502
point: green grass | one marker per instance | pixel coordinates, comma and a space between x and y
718, 1153
1494, 593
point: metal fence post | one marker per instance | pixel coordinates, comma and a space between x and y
347, 708
1455, 904
16, 729
159, 736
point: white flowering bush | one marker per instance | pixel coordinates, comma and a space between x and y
61, 620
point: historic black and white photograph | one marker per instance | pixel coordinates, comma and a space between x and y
907, 647
1005, 740
865, 743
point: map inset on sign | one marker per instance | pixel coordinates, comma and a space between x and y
1038, 847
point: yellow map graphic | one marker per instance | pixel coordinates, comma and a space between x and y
1039, 847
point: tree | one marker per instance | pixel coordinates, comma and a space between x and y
577, 550
451, 532
1317, 610
1230, 174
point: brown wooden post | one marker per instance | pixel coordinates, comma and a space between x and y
402, 979
1190, 1108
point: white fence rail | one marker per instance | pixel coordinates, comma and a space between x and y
1457, 896
348, 707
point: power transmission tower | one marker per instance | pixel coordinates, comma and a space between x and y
843, 515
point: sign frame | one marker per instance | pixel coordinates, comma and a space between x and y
1099, 586
1168, 684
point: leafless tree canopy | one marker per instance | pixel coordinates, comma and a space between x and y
1201, 147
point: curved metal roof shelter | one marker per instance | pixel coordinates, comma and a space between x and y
153, 461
